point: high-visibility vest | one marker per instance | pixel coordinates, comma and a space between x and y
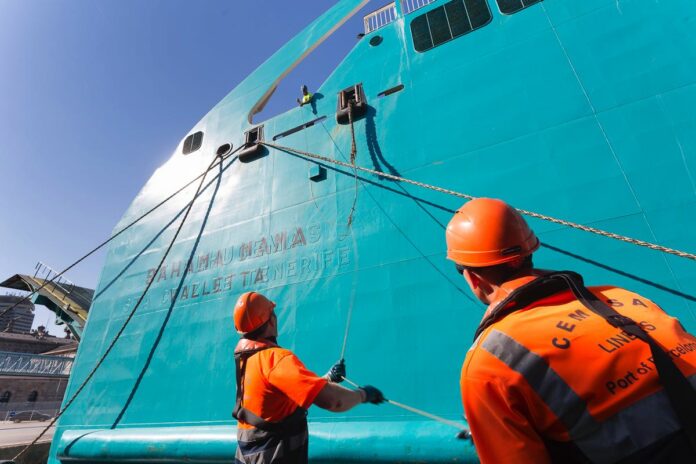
259, 440
552, 381
307, 98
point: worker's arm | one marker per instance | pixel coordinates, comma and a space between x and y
499, 415
338, 399
304, 387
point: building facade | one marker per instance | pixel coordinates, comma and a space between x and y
34, 373
18, 319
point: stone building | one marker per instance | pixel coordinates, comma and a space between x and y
18, 319
35, 366
34, 372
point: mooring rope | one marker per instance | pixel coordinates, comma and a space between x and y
130, 315
111, 238
353, 155
543, 217
345, 333
420, 412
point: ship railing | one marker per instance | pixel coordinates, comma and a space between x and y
380, 18
408, 6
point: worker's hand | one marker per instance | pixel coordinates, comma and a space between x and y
372, 395
337, 372
464, 435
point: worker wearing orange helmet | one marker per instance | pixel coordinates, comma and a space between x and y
274, 389
562, 373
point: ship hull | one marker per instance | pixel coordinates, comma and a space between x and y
578, 110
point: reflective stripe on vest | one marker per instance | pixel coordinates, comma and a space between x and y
269, 442
297, 420
616, 438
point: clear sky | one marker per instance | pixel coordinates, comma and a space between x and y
96, 94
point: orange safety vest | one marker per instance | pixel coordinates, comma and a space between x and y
274, 390
548, 379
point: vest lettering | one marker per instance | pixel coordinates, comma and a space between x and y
614, 303
563, 344
578, 315
622, 383
607, 349
565, 326
647, 326
637, 302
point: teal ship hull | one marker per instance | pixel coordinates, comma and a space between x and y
580, 110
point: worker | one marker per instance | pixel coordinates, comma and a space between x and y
306, 96
560, 373
274, 389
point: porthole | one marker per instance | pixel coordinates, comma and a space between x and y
192, 143
376, 40
224, 149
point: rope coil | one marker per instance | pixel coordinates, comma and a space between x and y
543, 217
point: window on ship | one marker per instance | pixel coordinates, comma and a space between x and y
451, 20
513, 6
192, 143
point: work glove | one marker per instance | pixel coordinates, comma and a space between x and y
337, 372
372, 395
464, 435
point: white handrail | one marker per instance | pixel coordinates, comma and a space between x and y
380, 18
408, 6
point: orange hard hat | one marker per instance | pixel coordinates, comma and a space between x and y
486, 232
251, 312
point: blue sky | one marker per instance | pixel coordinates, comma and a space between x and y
96, 94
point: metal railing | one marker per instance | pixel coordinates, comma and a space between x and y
22, 412
46, 272
408, 6
34, 364
387, 14
380, 18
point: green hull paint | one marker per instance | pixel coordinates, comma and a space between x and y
580, 110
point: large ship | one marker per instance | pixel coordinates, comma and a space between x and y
581, 111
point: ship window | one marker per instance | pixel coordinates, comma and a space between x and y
5, 398
33, 396
513, 6
447, 22
192, 143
